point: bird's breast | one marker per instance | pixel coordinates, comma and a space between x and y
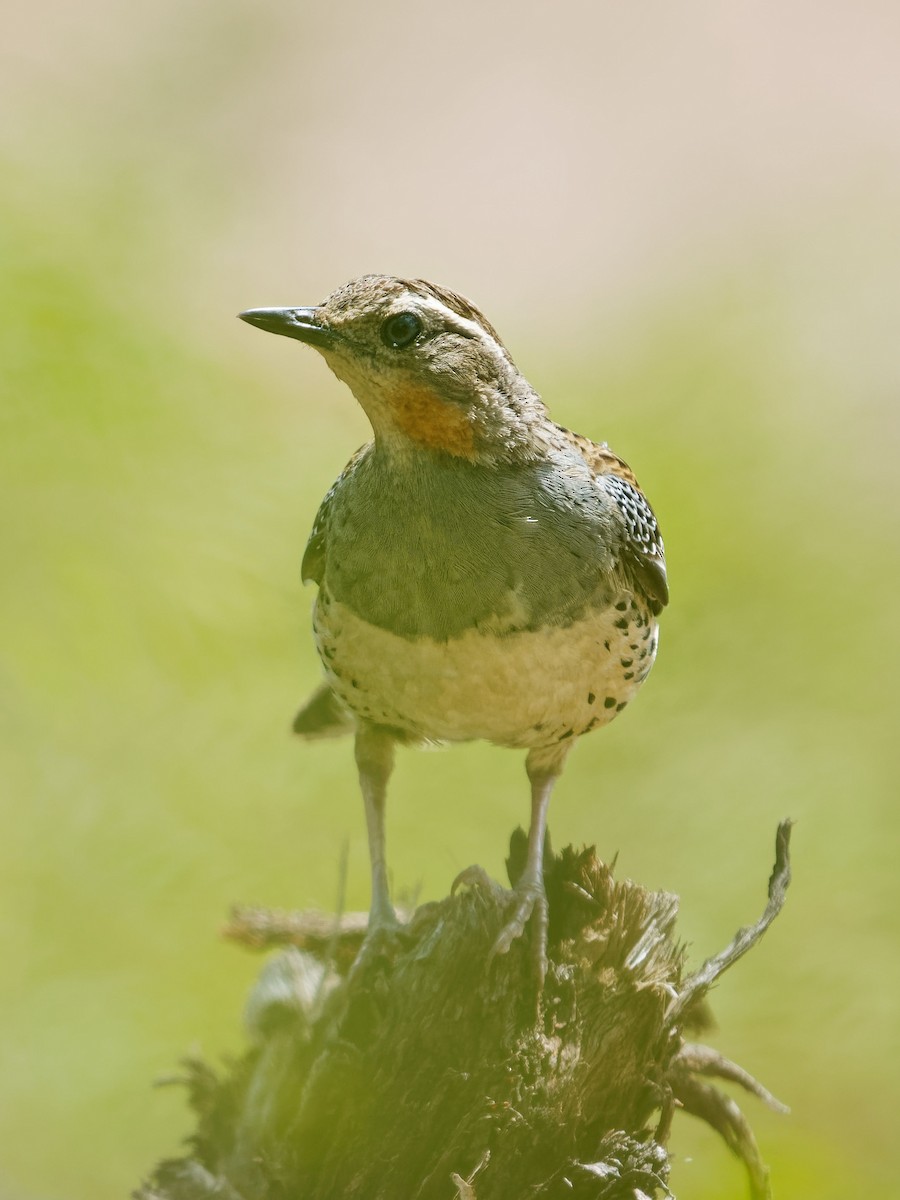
436, 553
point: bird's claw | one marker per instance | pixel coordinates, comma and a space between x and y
530, 904
475, 877
382, 941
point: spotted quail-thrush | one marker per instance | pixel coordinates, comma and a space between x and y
482, 571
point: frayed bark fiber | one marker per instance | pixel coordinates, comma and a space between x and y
431, 1070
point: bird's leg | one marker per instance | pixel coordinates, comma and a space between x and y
543, 767
375, 761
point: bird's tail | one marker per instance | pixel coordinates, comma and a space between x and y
323, 716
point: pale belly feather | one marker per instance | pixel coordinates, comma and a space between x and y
522, 689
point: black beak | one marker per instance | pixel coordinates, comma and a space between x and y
300, 323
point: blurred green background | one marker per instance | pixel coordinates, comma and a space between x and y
683, 219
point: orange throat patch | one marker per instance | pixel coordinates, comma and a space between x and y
424, 417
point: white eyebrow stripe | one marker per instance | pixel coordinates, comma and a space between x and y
463, 324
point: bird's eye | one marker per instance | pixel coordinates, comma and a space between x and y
401, 330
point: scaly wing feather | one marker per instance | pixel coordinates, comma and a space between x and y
643, 554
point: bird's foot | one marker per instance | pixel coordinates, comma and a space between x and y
382, 941
530, 901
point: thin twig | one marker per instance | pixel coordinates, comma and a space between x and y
745, 938
722, 1114
703, 1060
331, 949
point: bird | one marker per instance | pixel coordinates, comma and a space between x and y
483, 572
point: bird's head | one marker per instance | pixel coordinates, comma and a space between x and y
428, 369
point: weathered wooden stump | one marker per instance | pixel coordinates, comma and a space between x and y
433, 1070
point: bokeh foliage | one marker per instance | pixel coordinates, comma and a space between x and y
160, 466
